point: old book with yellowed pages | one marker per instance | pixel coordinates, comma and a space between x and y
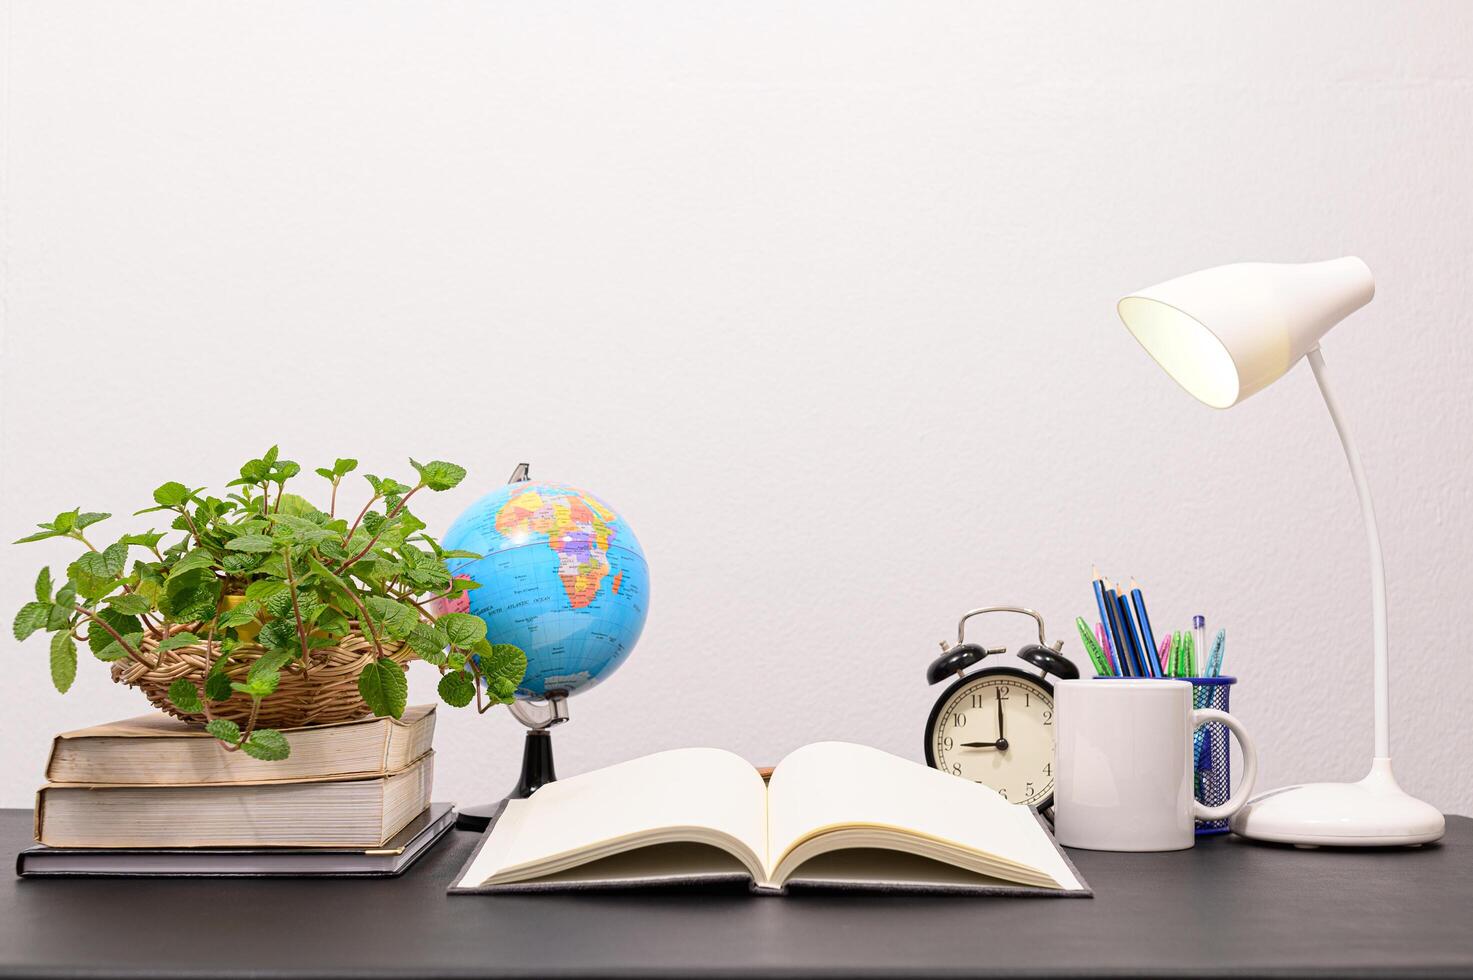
833, 815
358, 812
161, 751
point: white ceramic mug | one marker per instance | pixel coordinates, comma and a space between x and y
1123, 764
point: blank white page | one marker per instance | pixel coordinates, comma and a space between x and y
829, 785
682, 788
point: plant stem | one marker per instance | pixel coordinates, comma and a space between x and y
373, 500
204, 701
291, 588
332, 503
363, 613
128, 647
184, 510
387, 518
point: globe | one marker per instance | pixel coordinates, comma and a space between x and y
561, 576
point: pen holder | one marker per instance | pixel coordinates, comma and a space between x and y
1213, 781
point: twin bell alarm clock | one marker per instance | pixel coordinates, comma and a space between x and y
995, 725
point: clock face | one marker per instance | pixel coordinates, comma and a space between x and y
997, 729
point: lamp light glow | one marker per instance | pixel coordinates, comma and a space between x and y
1229, 332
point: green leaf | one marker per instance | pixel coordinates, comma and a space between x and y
171, 494
457, 689
193, 595
43, 586
99, 639
130, 604
266, 744
225, 730
92, 575
109, 649
32, 616
506, 662
264, 588
325, 473
396, 618
463, 629
63, 610
185, 696
244, 612
439, 475
268, 664
384, 688
217, 687
279, 634
198, 558
66, 522
258, 688
148, 539
429, 642
251, 542
344, 466
89, 518
183, 639
47, 531
63, 661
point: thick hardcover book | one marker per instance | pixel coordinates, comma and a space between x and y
156, 750
833, 816
417, 837
357, 813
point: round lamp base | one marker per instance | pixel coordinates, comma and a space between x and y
1374, 812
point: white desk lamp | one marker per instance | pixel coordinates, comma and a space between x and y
1224, 334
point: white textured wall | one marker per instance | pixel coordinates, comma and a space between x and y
820, 296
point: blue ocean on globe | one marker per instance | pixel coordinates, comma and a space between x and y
562, 577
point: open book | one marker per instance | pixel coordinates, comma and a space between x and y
833, 815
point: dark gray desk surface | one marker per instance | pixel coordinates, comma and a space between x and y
1225, 907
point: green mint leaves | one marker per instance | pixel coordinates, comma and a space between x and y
256, 582
384, 687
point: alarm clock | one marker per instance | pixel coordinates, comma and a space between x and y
995, 725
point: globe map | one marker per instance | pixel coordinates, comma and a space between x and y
562, 577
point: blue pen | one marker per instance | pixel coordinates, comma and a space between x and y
1219, 648
1142, 664
1143, 621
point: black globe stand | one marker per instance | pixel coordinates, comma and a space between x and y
537, 764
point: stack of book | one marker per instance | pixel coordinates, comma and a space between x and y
152, 796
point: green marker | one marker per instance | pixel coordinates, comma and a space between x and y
1091, 647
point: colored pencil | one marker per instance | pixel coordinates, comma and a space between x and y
1099, 587
1163, 655
1104, 639
1116, 634
1141, 663
1142, 618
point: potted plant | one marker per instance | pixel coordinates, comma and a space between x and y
268, 613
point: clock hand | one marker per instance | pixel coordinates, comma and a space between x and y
1000, 744
999, 714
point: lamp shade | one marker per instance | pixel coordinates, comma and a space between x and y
1228, 332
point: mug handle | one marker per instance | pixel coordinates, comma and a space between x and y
1202, 716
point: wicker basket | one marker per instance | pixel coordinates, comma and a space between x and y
328, 693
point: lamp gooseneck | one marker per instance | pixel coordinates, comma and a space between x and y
1378, 568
